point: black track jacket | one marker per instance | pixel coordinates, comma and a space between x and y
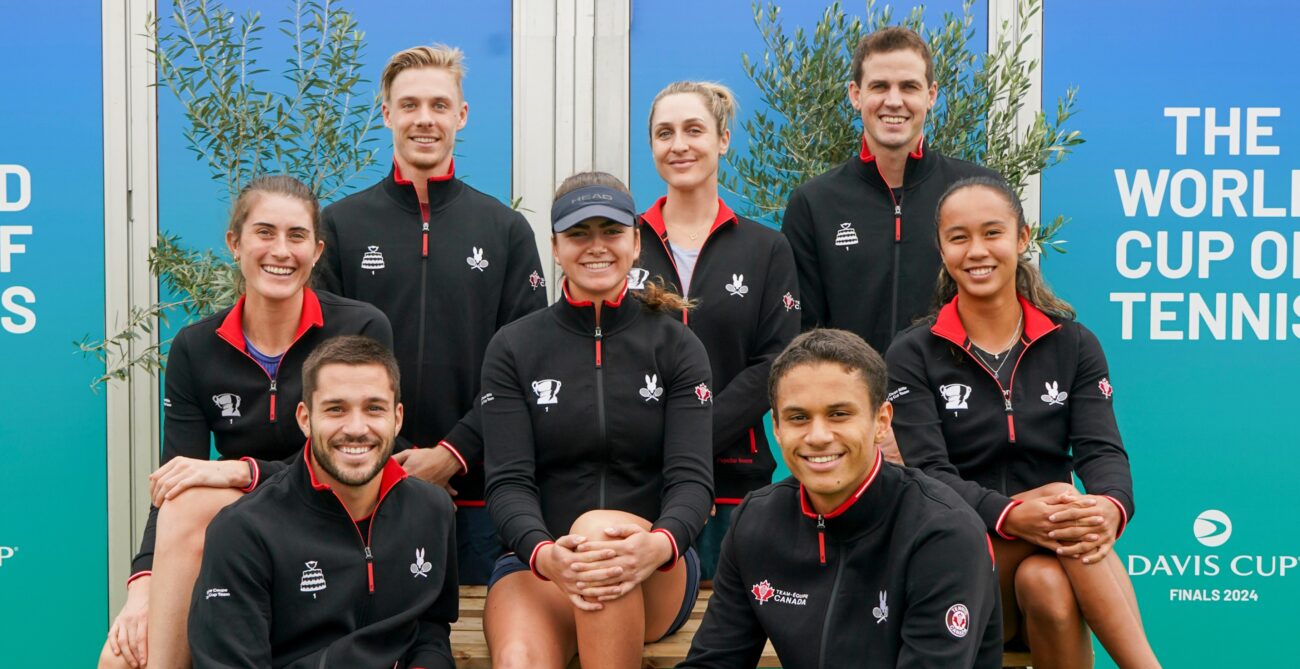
955, 422
217, 393
747, 310
447, 285
288, 580
868, 263
579, 416
900, 575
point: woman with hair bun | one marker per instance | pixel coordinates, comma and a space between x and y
739, 276
1004, 396
596, 416
233, 380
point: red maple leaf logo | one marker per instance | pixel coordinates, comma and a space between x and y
763, 592
1106, 389
703, 393
535, 280
789, 302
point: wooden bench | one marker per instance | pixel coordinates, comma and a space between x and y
470, 650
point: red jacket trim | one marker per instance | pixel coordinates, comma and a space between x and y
257, 474
139, 574
564, 287
399, 179
464, 466
729, 501
654, 217
676, 554
1002, 518
232, 327
392, 473
866, 156
1123, 516
807, 507
948, 324
532, 560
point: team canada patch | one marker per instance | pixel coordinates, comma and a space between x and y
1106, 389
789, 302
764, 592
958, 620
703, 394
536, 280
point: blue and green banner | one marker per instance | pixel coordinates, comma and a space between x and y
53, 530
1183, 257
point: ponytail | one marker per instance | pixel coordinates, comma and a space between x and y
657, 297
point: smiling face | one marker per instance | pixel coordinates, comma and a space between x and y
275, 246
893, 98
685, 141
981, 242
424, 110
596, 255
352, 421
828, 430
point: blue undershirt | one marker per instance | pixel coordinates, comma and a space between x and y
271, 363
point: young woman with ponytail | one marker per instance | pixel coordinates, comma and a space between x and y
596, 421
740, 277
1004, 396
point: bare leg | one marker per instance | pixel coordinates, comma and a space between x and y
528, 623
1105, 595
1009, 555
614, 636
1057, 635
182, 524
107, 660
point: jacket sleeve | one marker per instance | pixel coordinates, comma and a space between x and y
513, 499
919, 433
329, 271
518, 298
688, 460
730, 634
432, 649
798, 228
185, 432
741, 405
1099, 455
230, 612
952, 595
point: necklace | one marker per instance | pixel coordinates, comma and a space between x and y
997, 371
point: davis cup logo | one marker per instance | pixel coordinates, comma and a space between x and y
1212, 528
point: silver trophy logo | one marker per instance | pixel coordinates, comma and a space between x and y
955, 394
228, 403
546, 391
636, 278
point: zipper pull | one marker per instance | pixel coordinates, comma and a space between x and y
821, 538
598, 337
424, 247
370, 570
898, 222
1011, 423
273, 384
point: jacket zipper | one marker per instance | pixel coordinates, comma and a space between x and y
365, 540
830, 611
821, 539
898, 242
600, 416
424, 287
663, 239
274, 379
1011, 383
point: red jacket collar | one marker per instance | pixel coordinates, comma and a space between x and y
867, 157
654, 217
564, 287
948, 324
397, 173
232, 327
807, 507
392, 473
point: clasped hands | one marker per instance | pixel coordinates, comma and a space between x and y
592, 570
1069, 524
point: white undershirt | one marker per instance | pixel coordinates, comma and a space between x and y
685, 259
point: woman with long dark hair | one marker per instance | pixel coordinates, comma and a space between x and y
739, 276
596, 420
1004, 396
233, 381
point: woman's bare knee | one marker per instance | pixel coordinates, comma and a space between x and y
592, 524
521, 654
107, 660
1043, 591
